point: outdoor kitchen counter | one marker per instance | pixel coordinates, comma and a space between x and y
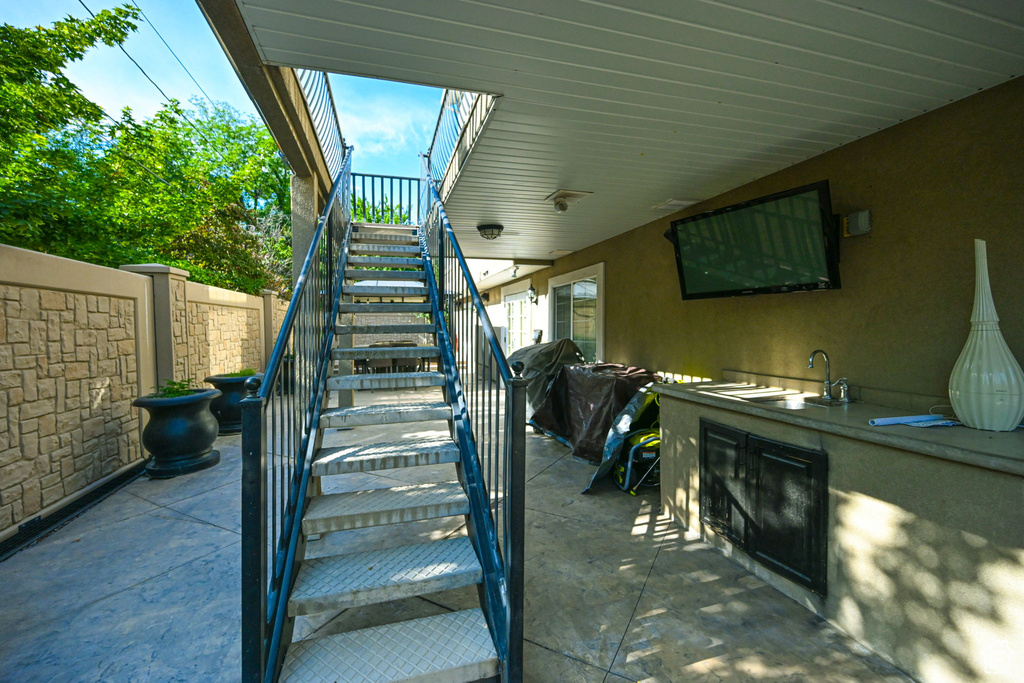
999, 451
924, 530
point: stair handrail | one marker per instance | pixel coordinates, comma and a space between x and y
492, 465
281, 412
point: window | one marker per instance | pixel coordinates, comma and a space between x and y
520, 321
577, 309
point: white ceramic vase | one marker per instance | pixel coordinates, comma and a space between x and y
986, 386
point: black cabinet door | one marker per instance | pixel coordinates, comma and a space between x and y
723, 481
788, 486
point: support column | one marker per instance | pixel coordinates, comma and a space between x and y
269, 331
170, 319
304, 217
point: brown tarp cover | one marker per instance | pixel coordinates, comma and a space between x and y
584, 400
541, 363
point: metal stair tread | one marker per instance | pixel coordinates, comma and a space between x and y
363, 248
386, 414
455, 646
383, 290
409, 328
370, 274
388, 380
383, 237
384, 307
386, 261
375, 507
384, 455
375, 576
386, 352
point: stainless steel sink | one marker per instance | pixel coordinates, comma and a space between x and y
787, 403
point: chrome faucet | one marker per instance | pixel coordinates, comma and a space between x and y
826, 390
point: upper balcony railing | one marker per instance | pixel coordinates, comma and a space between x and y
459, 124
320, 102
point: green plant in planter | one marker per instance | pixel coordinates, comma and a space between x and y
181, 429
247, 372
171, 389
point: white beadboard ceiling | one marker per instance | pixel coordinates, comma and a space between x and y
642, 101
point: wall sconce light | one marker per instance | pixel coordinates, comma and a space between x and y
485, 296
531, 295
490, 231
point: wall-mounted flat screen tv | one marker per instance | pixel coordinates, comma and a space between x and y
785, 242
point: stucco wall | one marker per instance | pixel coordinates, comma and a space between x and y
932, 184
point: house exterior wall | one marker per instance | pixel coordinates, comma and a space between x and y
932, 184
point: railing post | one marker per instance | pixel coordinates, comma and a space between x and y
516, 511
254, 536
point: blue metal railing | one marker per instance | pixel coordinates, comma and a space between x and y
455, 108
385, 199
280, 436
489, 407
316, 89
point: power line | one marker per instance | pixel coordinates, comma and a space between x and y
171, 50
150, 79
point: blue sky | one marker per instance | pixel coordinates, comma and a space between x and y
389, 123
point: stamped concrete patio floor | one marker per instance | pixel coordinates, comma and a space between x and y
145, 587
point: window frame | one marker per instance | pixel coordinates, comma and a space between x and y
595, 272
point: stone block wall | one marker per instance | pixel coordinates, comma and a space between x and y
78, 343
69, 370
223, 339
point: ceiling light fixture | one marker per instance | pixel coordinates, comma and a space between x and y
490, 231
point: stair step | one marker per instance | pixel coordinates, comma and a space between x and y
395, 228
384, 307
450, 647
383, 249
358, 509
385, 261
389, 380
426, 328
385, 414
367, 578
383, 290
384, 456
366, 274
366, 352
383, 238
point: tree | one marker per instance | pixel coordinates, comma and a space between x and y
204, 189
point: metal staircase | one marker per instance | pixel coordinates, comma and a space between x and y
287, 574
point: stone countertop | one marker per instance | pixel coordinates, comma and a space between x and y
1000, 451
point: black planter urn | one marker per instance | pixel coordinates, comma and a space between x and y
227, 407
180, 433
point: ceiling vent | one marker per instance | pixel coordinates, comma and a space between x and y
674, 205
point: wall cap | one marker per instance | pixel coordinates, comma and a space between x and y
154, 269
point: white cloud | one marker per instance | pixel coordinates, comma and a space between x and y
391, 119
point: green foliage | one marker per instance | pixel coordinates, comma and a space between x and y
173, 389
203, 189
35, 96
247, 372
381, 212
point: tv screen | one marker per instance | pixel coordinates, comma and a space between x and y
785, 242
